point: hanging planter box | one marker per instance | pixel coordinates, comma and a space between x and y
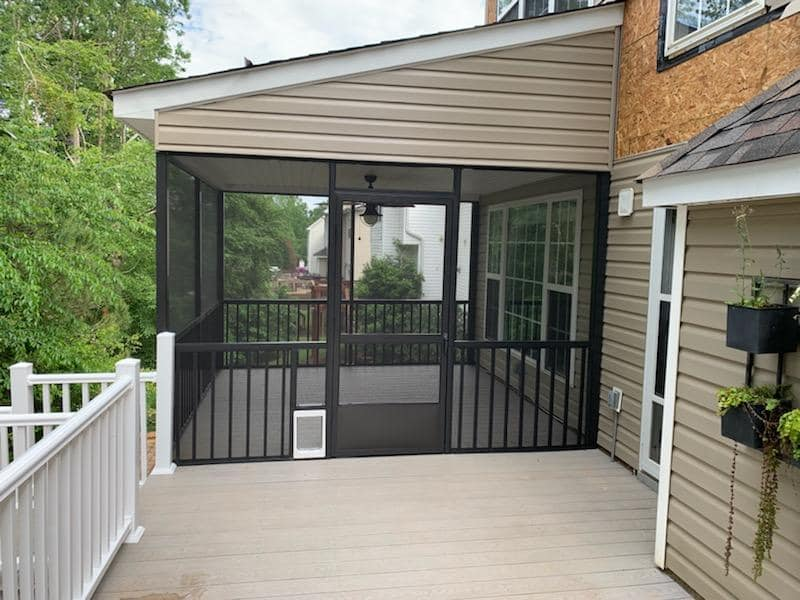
767, 330
738, 426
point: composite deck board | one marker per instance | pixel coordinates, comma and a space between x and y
406, 384
522, 525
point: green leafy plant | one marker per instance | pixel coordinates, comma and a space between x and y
789, 432
766, 406
754, 297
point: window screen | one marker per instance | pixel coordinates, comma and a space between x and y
181, 261
209, 293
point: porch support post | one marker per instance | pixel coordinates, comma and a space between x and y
198, 250
221, 265
597, 305
162, 246
334, 308
449, 304
165, 402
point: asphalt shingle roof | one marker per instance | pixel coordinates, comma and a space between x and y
768, 126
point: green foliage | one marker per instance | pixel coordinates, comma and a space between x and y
261, 232
789, 432
390, 277
768, 396
77, 190
766, 406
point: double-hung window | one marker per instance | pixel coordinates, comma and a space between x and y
689, 23
532, 272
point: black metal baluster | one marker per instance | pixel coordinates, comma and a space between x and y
492, 363
195, 393
582, 382
230, 406
213, 398
507, 391
461, 399
475, 407
552, 401
283, 402
566, 397
521, 396
247, 403
537, 394
266, 405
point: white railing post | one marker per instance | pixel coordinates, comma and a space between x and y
21, 403
142, 433
165, 386
129, 367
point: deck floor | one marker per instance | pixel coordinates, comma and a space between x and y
558, 525
243, 429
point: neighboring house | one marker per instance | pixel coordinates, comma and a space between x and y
318, 247
418, 233
539, 129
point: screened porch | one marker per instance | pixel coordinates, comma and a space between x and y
416, 308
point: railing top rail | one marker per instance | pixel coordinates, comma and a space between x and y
344, 302
58, 378
34, 419
247, 346
12, 476
528, 345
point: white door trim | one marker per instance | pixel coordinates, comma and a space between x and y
670, 386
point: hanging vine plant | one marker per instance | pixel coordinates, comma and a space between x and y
765, 406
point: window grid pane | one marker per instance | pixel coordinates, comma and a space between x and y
692, 15
562, 242
527, 229
495, 244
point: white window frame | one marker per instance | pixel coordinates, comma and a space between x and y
520, 6
673, 47
549, 199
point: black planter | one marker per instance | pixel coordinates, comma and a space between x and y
768, 330
738, 426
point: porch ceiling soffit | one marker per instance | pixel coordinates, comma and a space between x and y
136, 106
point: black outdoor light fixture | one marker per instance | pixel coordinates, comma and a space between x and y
371, 214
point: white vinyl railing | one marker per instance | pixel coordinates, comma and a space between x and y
70, 500
54, 393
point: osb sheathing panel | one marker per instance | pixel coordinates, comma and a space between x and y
656, 109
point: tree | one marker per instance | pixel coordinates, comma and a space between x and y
261, 233
390, 277
77, 242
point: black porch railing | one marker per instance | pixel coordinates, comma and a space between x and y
513, 395
304, 320
234, 402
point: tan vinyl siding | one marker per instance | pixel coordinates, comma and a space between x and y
540, 106
625, 310
701, 457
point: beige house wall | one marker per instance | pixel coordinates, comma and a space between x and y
540, 106
701, 458
625, 308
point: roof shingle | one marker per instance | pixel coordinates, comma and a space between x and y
766, 127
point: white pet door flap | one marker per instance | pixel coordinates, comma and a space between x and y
309, 434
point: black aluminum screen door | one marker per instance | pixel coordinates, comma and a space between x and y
389, 398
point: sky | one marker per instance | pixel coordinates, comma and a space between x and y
220, 33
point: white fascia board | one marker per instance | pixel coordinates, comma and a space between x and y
759, 180
143, 102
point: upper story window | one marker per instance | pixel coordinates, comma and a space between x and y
508, 10
692, 22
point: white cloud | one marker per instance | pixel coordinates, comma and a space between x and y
221, 33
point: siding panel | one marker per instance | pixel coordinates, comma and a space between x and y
545, 106
701, 457
625, 310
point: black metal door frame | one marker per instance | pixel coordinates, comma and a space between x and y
335, 338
